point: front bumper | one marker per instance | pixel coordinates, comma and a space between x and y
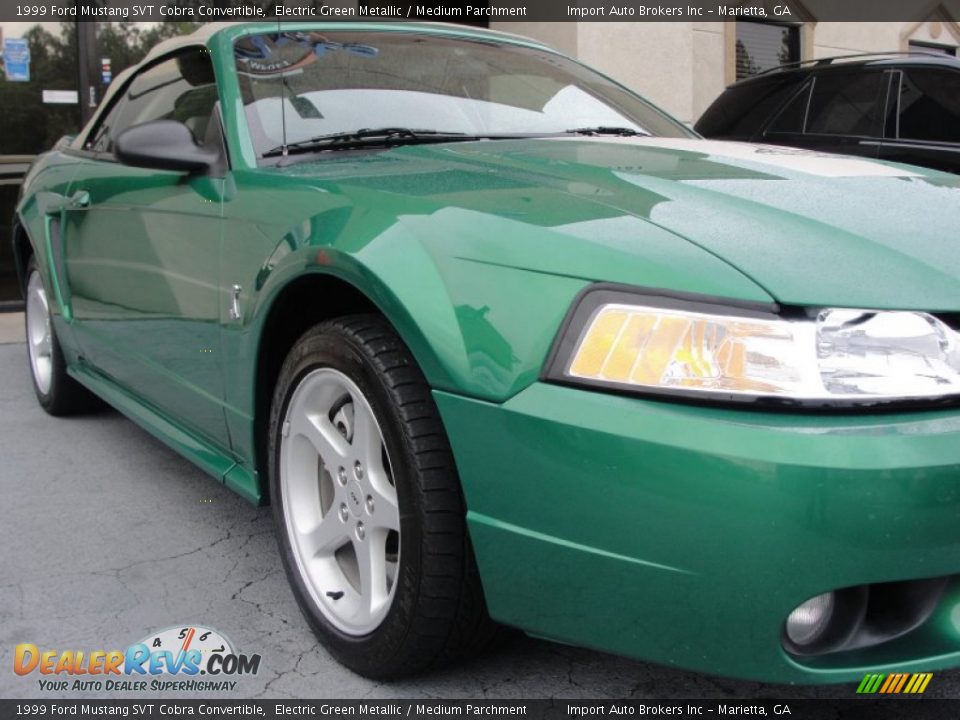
685, 535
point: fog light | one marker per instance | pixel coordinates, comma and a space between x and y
809, 620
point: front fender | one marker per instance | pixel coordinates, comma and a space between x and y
479, 297
475, 328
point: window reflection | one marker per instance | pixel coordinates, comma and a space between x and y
32, 120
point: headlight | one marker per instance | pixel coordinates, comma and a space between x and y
739, 351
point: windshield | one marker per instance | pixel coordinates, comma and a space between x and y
319, 84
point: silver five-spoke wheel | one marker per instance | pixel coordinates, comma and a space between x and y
370, 516
340, 501
39, 333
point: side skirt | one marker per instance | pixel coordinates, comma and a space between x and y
200, 452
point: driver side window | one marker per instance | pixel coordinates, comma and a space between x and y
181, 88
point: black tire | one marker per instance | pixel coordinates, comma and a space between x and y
64, 396
438, 612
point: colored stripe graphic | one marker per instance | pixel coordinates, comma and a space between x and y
894, 684
923, 681
891, 681
870, 683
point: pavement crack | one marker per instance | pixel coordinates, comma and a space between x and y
148, 561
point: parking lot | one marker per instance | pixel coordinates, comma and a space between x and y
108, 535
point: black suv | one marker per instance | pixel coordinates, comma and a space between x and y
898, 106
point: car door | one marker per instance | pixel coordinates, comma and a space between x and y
926, 130
845, 113
142, 252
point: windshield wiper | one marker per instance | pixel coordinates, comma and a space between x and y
367, 136
603, 130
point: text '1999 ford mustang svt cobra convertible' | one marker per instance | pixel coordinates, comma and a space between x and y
503, 344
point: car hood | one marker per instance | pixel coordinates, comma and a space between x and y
808, 228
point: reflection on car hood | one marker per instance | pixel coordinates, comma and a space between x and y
809, 228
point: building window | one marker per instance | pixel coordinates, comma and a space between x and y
933, 47
43, 100
762, 46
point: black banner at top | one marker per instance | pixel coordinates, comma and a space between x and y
482, 11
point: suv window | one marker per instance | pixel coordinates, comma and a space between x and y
930, 105
742, 110
848, 104
180, 88
793, 116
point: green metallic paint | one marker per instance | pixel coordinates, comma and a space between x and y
201, 453
641, 527
143, 264
650, 528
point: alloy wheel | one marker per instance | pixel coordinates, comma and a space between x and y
340, 501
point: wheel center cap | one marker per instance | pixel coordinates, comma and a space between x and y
355, 498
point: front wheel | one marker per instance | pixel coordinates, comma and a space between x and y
367, 503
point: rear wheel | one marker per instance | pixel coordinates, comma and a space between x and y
57, 392
367, 504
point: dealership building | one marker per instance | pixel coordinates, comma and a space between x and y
54, 73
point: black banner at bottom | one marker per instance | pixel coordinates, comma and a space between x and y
867, 709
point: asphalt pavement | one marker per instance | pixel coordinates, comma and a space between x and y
106, 535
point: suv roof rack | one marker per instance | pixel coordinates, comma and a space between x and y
831, 60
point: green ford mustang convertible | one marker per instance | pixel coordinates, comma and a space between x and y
503, 344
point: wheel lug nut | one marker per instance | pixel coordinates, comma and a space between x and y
344, 513
358, 470
360, 531
370, 504
342, 476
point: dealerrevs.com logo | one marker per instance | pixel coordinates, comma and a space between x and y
173, 659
